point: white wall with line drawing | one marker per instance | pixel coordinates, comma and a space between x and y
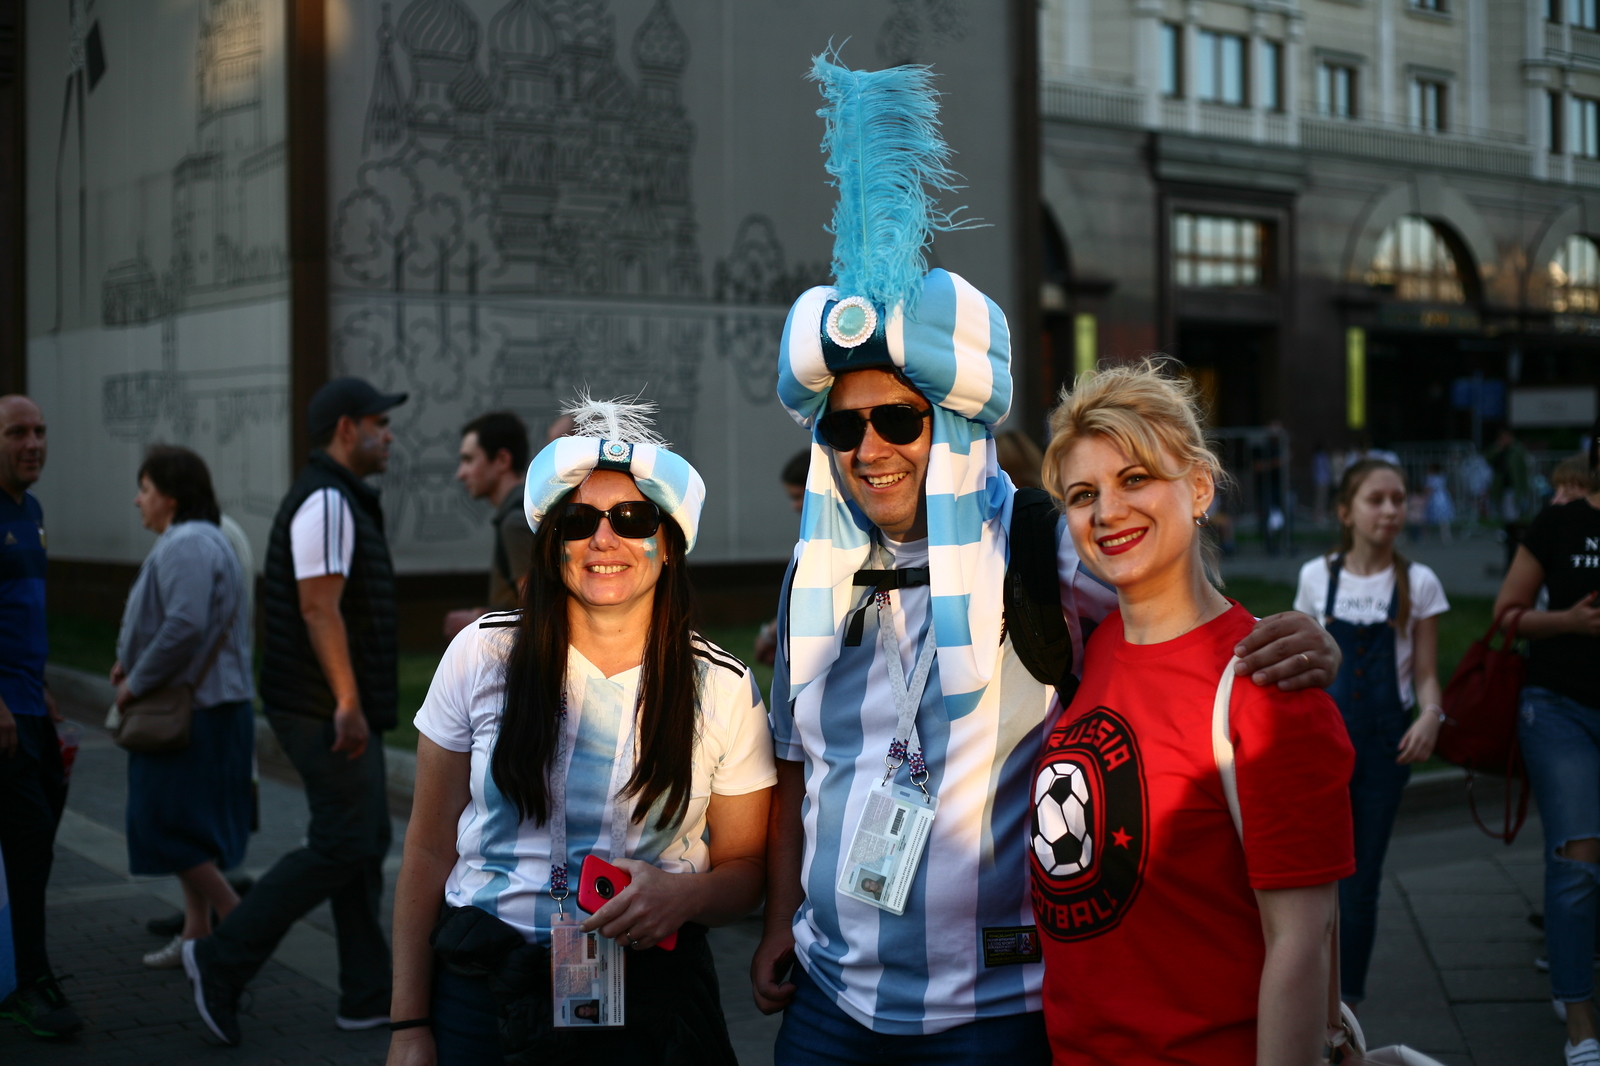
158, 274
532, 196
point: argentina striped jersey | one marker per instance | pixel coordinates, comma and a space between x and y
503, 863
923, 972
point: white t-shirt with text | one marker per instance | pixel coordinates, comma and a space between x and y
1363, 599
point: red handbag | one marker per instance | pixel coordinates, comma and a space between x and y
1479, 731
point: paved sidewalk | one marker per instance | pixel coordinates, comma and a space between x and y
1453, 973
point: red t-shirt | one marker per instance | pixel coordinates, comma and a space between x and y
1152, 938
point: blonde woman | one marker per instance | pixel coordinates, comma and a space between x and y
1203, 949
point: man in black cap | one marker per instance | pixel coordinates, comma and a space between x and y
328, 682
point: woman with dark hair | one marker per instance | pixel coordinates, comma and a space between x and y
186, 623
591, 723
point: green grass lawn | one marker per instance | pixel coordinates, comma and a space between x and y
90, 644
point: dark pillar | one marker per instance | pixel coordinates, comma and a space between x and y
1031, 397
308, 214
13, 216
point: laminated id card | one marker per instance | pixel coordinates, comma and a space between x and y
887, 846
585, 976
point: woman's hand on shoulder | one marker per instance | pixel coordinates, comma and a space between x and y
412, 1047
654, 905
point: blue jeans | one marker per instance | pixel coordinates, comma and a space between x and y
1560, 740
1375, 790
466, 1026
817, 1033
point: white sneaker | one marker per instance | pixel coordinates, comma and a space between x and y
355, 1025
1585, 1054
167, 958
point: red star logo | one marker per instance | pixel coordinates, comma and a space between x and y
1121, 838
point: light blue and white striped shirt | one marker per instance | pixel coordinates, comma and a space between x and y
503, 863
923, 972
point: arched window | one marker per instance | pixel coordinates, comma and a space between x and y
1414, 259
1575, 277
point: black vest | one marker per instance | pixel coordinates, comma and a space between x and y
291, 677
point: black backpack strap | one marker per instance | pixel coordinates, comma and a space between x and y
1038, 629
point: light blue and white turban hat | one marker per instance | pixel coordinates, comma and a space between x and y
887, 310
615, 435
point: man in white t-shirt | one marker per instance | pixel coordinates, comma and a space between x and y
329, 683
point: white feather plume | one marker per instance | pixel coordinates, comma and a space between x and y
627, 418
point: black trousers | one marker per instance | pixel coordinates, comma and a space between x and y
341, 862
33, 792
504, 1017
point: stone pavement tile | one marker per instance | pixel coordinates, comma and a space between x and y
139, 1016
1474, 877
1476, 926
1478, 954
751, 1032
1499, 985
1513, 1034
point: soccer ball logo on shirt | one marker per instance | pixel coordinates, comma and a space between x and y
1062, 840
1087, 847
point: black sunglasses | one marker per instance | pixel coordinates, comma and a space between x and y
630, 519
897, 423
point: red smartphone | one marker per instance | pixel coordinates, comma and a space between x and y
598, 884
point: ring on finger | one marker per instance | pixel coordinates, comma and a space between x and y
1305, 658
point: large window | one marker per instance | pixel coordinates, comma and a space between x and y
1429, 104
1582, 14
1271, 76
1171, 59
1336, 89
1557, 120
1583, 126
1414, 259
1431, 5
1575, 277
1219, 68
1220, 252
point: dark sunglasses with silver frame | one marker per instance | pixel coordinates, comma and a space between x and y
630, 519
897, 423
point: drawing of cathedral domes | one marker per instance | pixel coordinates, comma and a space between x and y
585, 26
521, 32
585, 170
661, 46
441, 37
439, 29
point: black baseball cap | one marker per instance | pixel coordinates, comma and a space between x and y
346, 396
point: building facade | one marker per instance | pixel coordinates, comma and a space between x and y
1367, 219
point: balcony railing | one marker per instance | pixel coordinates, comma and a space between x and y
1482, 151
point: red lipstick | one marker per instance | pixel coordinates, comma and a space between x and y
1134, 536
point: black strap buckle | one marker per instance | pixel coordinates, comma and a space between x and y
880, 581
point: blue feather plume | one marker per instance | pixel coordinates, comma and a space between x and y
884, 154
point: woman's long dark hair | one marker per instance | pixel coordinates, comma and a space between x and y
1349, 488
536, 676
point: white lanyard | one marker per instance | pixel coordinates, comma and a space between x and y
906, 746
622, 766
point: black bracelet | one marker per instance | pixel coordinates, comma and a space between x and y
409, 1023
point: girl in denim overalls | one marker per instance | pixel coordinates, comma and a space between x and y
1388, 630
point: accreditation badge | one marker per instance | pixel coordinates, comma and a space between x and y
586, 976
887, 846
